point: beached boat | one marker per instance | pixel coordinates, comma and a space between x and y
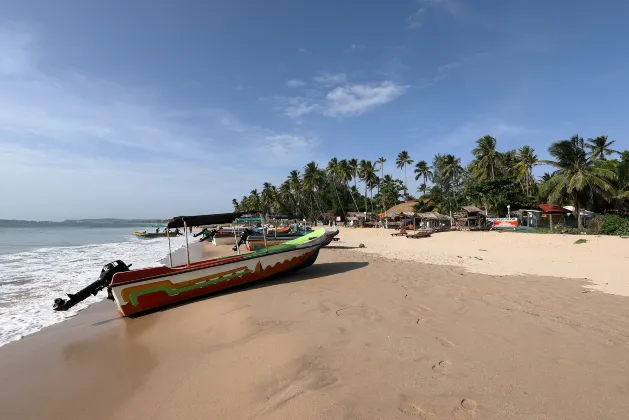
257, 242
151, 235
136, 291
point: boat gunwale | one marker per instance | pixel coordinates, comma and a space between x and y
318, 241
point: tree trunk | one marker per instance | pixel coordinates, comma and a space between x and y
405, 181
577, 210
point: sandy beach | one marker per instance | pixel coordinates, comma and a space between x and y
461, 325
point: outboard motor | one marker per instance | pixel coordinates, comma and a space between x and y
243, 239
208, 234
106, 275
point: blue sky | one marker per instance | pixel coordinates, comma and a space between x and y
154, 109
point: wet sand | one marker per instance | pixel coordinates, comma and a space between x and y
356, 336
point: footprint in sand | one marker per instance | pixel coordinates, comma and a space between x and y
442, 367
424, 308
415, 411
445, 343
469, 405
466, 411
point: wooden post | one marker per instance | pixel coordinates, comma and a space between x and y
550, 216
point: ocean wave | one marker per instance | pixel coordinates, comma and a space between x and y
31, 280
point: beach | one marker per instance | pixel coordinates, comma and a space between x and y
462, 325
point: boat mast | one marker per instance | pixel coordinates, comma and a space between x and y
185, 228
170, 255
235, 236
264, 233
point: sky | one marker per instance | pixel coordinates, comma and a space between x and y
140, 109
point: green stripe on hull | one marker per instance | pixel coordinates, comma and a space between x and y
133, 296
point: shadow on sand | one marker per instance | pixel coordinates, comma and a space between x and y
313, 272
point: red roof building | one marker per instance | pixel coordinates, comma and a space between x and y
553, 208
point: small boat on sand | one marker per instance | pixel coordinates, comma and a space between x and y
141, 290
151, 235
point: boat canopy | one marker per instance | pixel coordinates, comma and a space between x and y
206, 219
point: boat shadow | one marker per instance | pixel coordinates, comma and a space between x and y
313, 272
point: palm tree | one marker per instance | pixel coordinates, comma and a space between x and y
527, 159
600, 148
486, 158
367, 171
268, 198
422, 169
313, 179
294, 182
235, 204
381, 160
345, 175
353, 166
577, 177
255, 199
402, 161
335, 172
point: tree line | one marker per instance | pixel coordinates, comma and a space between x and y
586, 174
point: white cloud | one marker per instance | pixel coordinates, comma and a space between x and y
341, 101
415, 19
298, 107
295, 83
327, 79
352, 100
284, 146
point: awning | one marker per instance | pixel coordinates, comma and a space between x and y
206, 219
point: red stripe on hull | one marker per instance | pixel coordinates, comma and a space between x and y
159, 299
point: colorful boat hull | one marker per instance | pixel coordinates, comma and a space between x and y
144, 290
149, 235
256, 243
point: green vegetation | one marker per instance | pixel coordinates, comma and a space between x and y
588, 174
580, 241
615, 225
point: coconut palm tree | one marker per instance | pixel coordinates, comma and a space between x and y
367, 171
600, 147
381, 160
353, 166
268, 198
313, 179
235, 204
402, 161
254, 196
422, 170
294, 182
486, 158
577, 177
526, 159
345, 175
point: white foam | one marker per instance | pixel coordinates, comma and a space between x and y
30, 281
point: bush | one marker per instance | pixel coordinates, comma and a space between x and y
615, 225
595, 225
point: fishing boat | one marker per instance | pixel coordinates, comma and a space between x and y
142, 290
151, 235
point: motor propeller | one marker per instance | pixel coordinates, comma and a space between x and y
106, 275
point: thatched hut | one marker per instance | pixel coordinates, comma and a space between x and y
433, 220
471, 217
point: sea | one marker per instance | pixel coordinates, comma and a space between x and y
44, 262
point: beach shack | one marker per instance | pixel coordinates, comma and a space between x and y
527, 219
471, 218
552, 216
433, 221
401, 214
